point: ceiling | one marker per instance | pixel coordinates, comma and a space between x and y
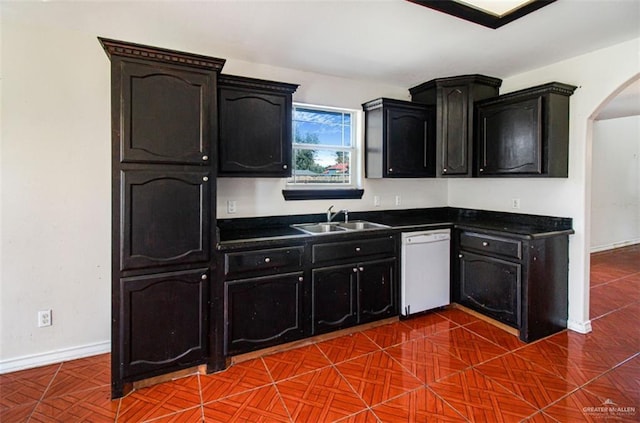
392, 41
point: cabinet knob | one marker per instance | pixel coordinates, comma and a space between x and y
444, 170
300, 278
284, 166
481, 170
203, 277
267, 260
358, 249
485, 244
205, 178
390, 169
361, 269
459, 255
205, 158
355, 270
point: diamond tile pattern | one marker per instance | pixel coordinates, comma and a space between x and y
443, 366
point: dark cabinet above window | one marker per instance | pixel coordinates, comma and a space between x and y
453, 99
525, 133
254, 127
399, 139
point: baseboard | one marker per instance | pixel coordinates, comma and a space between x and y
580, 327
614, 245
51, 357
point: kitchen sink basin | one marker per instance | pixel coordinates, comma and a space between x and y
333, 227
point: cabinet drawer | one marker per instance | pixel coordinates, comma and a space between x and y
353, 250
263, 261
491, 244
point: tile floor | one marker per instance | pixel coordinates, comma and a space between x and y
446, 366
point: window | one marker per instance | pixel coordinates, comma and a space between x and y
324, 152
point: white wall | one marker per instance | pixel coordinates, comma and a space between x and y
598, 75
615, 188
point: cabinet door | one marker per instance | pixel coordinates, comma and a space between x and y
377, 290
166, 114
510, 138
453, 130
409, 143
255, 133
334, 298
263, 311
165, 218
491, 286
163, 322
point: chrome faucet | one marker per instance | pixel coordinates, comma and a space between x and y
331, 215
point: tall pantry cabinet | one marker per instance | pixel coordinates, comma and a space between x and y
164, 137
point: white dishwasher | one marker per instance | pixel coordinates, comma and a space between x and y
424, 277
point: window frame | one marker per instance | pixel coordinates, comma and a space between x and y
302, 191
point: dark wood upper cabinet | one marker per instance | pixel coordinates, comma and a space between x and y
167, 115
164, 143
255, 127
399, 139
453, 99
525, 133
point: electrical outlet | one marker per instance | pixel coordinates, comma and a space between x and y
44, 318
231, 206
515, 203
376, 201
398, 200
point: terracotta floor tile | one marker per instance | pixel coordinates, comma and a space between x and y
391, 334
362, 417
320, 396
572, 408
578, 367
17, 414
527, 380
160, 400
421, 405
428, 324
258, 406
80, 375
541, 417
94, 405
295, 362
25, 386
376, 377
193, 415
621, 385
496, 335
238, 378
425, 360
467, 346
347, 347
480, 399
458, 316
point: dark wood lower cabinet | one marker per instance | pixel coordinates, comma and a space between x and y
263, 311
334, 300
167, 322
491, 285
377, 290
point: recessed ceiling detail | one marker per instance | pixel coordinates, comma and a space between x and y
490, 13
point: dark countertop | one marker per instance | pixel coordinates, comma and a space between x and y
245, 232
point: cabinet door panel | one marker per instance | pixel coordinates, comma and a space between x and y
163, 321
334, 298
454, 129
166, 218
255, 133
263, 311
491, 285
377, 289
408, 143
510, 138
166, 115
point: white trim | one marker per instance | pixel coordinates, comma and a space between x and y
580, 327
614, 245
55, 356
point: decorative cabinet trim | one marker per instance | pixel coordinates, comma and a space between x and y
455, 81
549, 88
256, 84
139, 51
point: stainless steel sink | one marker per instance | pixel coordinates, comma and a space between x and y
333, 227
